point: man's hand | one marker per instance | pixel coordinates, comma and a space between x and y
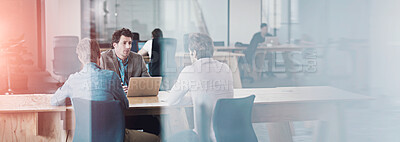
125, 88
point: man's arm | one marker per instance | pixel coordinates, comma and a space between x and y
180, 88
145, 73
61, 95
254, 41
118, 92
145, 49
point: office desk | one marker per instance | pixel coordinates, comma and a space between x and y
230, 48
32, 118
283, 105
282, 47
287, 47
231, 59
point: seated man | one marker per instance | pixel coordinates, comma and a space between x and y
128, 64
92, 83
207, 80
122, 60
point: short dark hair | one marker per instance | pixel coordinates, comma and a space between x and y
202, 44
157, 33
263, 25
118, 33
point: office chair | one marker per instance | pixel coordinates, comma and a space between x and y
135, 42
203, 134
162, 61
186, 43
219, 43
232, 120
98, 121
66, 60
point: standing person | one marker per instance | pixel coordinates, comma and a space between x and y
258, 38
93, 83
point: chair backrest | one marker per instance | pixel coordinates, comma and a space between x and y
219, 43
232, 120
186, 43
135, 42
98, 121
66, 60
163, 56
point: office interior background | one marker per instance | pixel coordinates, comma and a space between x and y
359, 44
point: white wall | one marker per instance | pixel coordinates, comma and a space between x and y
216, 17
63, 17
385, 46
244, 19
19, 17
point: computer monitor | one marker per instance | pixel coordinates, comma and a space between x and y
141, 44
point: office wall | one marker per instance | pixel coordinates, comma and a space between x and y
19, 18
385, 47
63, 17
137, 15
245, 19
325, 20
216, 17
349, 19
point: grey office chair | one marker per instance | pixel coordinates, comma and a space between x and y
66, 60
232, 120
98, 121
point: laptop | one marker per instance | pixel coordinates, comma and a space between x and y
144, 86
273, 40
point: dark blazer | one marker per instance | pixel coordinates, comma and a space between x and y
136, 65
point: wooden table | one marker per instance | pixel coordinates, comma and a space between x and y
231, 59
32, 118
277, 106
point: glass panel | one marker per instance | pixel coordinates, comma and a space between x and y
174, 17
276, 14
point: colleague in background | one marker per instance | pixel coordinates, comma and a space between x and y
147, 47
161, 51
93, 83
128, 64
258, 38
207, 80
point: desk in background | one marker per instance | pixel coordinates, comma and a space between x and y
282, 47
230, 49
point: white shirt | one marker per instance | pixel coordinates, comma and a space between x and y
207, 80
148, 46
